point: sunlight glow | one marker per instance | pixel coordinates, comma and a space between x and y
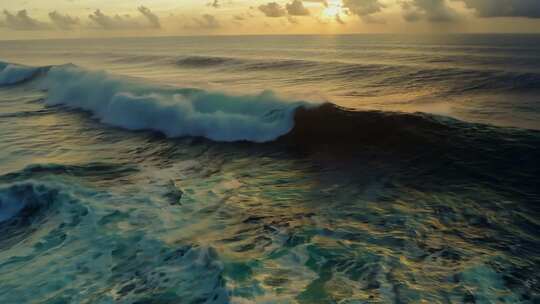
334, 10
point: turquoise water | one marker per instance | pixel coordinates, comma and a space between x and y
173, 177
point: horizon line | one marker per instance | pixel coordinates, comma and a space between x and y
270, 34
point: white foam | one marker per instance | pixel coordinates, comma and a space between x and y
174, 112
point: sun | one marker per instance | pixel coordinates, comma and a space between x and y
333, 9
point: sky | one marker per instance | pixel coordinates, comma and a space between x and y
35, 19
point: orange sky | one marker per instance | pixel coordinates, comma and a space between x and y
99, 18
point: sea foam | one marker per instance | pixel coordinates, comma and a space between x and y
175, 112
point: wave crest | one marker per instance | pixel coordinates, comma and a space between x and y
173, 112
12, 74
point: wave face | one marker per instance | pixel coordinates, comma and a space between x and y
173, 112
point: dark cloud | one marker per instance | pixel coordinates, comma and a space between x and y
363, 7
273, 10
431, 10
340, 20
206, 21
115, 22
21, 21
64, 22
297, 8
505, 8
152, 18
126, 22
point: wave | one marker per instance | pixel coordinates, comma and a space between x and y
455, 79
179, 112
331, 126
25, 201
174, 112
27, 194
205, 61
27, 206
13, 74
99, 171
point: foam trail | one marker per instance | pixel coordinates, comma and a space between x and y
174, 112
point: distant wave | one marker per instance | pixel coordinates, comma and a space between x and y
205, 61
90, 170
12, 74
454, 78
457, 76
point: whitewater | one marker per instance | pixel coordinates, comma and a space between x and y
317, 169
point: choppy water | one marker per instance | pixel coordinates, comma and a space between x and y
208, 170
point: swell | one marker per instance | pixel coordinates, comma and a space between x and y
459, 79
441, 147
90, 171
454, 80
454, 74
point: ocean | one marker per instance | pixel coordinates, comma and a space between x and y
271, 169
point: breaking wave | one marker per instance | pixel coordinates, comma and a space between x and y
180, 112
173, 112
12, 74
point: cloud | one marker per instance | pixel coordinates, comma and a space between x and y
297, 8
431, 10
152, 18
214, 4
340, 20
64, 22
292, 20
21, 21
112, 23
363, 7
273, 10
126, 22
324, 2
505, 8
207, 21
